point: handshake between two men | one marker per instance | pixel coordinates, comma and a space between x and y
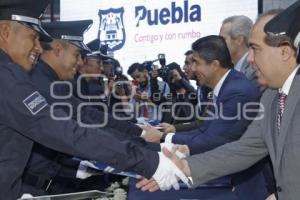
172, 166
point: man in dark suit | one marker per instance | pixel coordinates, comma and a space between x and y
231, 92
235, 91
198, 98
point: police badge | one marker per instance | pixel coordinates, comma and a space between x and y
111, 29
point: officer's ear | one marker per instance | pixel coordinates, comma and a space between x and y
57, 48
5, 30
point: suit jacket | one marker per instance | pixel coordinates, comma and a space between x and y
247, 70
260, 139
200, 100
25, 119
235, 92
188, 126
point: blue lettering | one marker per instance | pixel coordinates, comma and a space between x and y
176, 10
175, 14
186, 11
195, 13
140, 13
153, 21
164, 15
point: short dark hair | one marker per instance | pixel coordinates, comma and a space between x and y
212, 48
189, 52
132, 68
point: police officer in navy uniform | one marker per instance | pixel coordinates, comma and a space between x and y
92, 83
49, 69
25, 114
55, 68
52, 68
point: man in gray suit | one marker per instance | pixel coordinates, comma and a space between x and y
235, 30
276, 131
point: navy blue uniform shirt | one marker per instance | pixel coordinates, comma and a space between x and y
25, 119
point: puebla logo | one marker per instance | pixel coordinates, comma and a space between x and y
111, 29
175, 14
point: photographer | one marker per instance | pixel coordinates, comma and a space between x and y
178, 82
149, 92
120, 88
181, 90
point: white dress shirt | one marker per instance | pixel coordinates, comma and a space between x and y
288, 82
216, 92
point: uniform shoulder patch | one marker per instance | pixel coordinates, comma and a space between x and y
35, 102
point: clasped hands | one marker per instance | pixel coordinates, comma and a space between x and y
170, 170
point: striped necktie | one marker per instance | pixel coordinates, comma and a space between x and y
281, 104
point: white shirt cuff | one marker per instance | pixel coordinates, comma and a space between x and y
26, 195
169, 137
143, 133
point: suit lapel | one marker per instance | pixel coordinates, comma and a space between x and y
272, 121
290, 107
272, 132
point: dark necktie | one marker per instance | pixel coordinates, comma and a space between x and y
210, 107
281, 104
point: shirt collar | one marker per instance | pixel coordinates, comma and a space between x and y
4, 58
239, 64
217, 88
45, 68
16, 68
288, 82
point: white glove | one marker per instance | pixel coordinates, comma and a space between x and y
167, 174
82, 169
169, 146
